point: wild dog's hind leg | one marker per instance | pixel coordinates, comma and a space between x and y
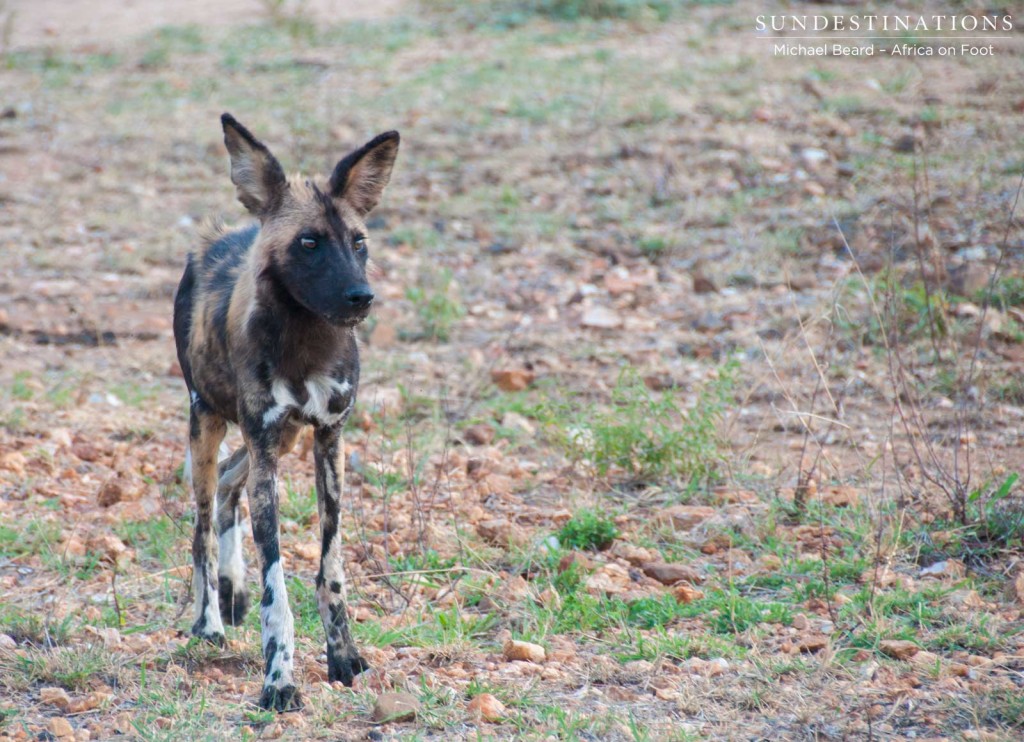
234, 597
206, 431
343, 660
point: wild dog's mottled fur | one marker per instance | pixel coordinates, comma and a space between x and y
263, 322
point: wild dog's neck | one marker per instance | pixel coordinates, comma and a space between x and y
298, 342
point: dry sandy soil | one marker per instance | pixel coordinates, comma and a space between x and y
573, 199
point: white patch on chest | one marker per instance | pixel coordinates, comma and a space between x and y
320, 389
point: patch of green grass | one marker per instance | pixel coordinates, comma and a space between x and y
20, 390
647, 435
170, 41
588, 529
33, 627
437, 305
159, 542
299, 506
75, 668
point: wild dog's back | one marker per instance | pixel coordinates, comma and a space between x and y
201, 313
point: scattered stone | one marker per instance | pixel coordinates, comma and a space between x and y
501, 532
670, 573
523, 651
515, 421
635, 555
811, 644
512, 380
904, 143
479, 435
60, 728
609, 579
925, 660
841, 496
487, 707
111, 547
800, 622
600, 317
55, 697
901, 649
112, 492
1015, 588
685, 594
946, 569
685, 517
85, 451
581, 560
7, 642
13, 461
395, 707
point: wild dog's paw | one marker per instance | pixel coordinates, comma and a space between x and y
200, 630
285, 698
234, 604
344, 666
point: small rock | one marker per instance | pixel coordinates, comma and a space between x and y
841, 496
946, 569
813, 643
685, 594
905, 143
515, 421
715, 666
1015, 588
13, 461
925, 660
7, 642
635, 555
487, 707
111, 492
60, 728
901, 649
685, 517
512, 380
669, 573
579, 559
609, 579
55, 697
523, 651
800, 622
395, 707
111, 547
600, 317
479, 435
85, 451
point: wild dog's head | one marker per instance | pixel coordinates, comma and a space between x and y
313, 243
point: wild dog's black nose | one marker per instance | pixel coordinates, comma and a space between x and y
359, 297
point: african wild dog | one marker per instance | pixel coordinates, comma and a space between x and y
264, 322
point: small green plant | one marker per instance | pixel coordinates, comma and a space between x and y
437, 306
646, 434
588, 529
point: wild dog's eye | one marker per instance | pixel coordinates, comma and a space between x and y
308, 242
360, 242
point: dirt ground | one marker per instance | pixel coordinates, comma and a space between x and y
761, 316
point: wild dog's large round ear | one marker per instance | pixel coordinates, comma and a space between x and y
359, 178
256, 173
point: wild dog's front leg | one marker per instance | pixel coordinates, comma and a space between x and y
278, 628
206, 431
343, 660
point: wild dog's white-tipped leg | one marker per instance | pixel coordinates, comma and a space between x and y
231, 589
206, 430
343, 659
278, 629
